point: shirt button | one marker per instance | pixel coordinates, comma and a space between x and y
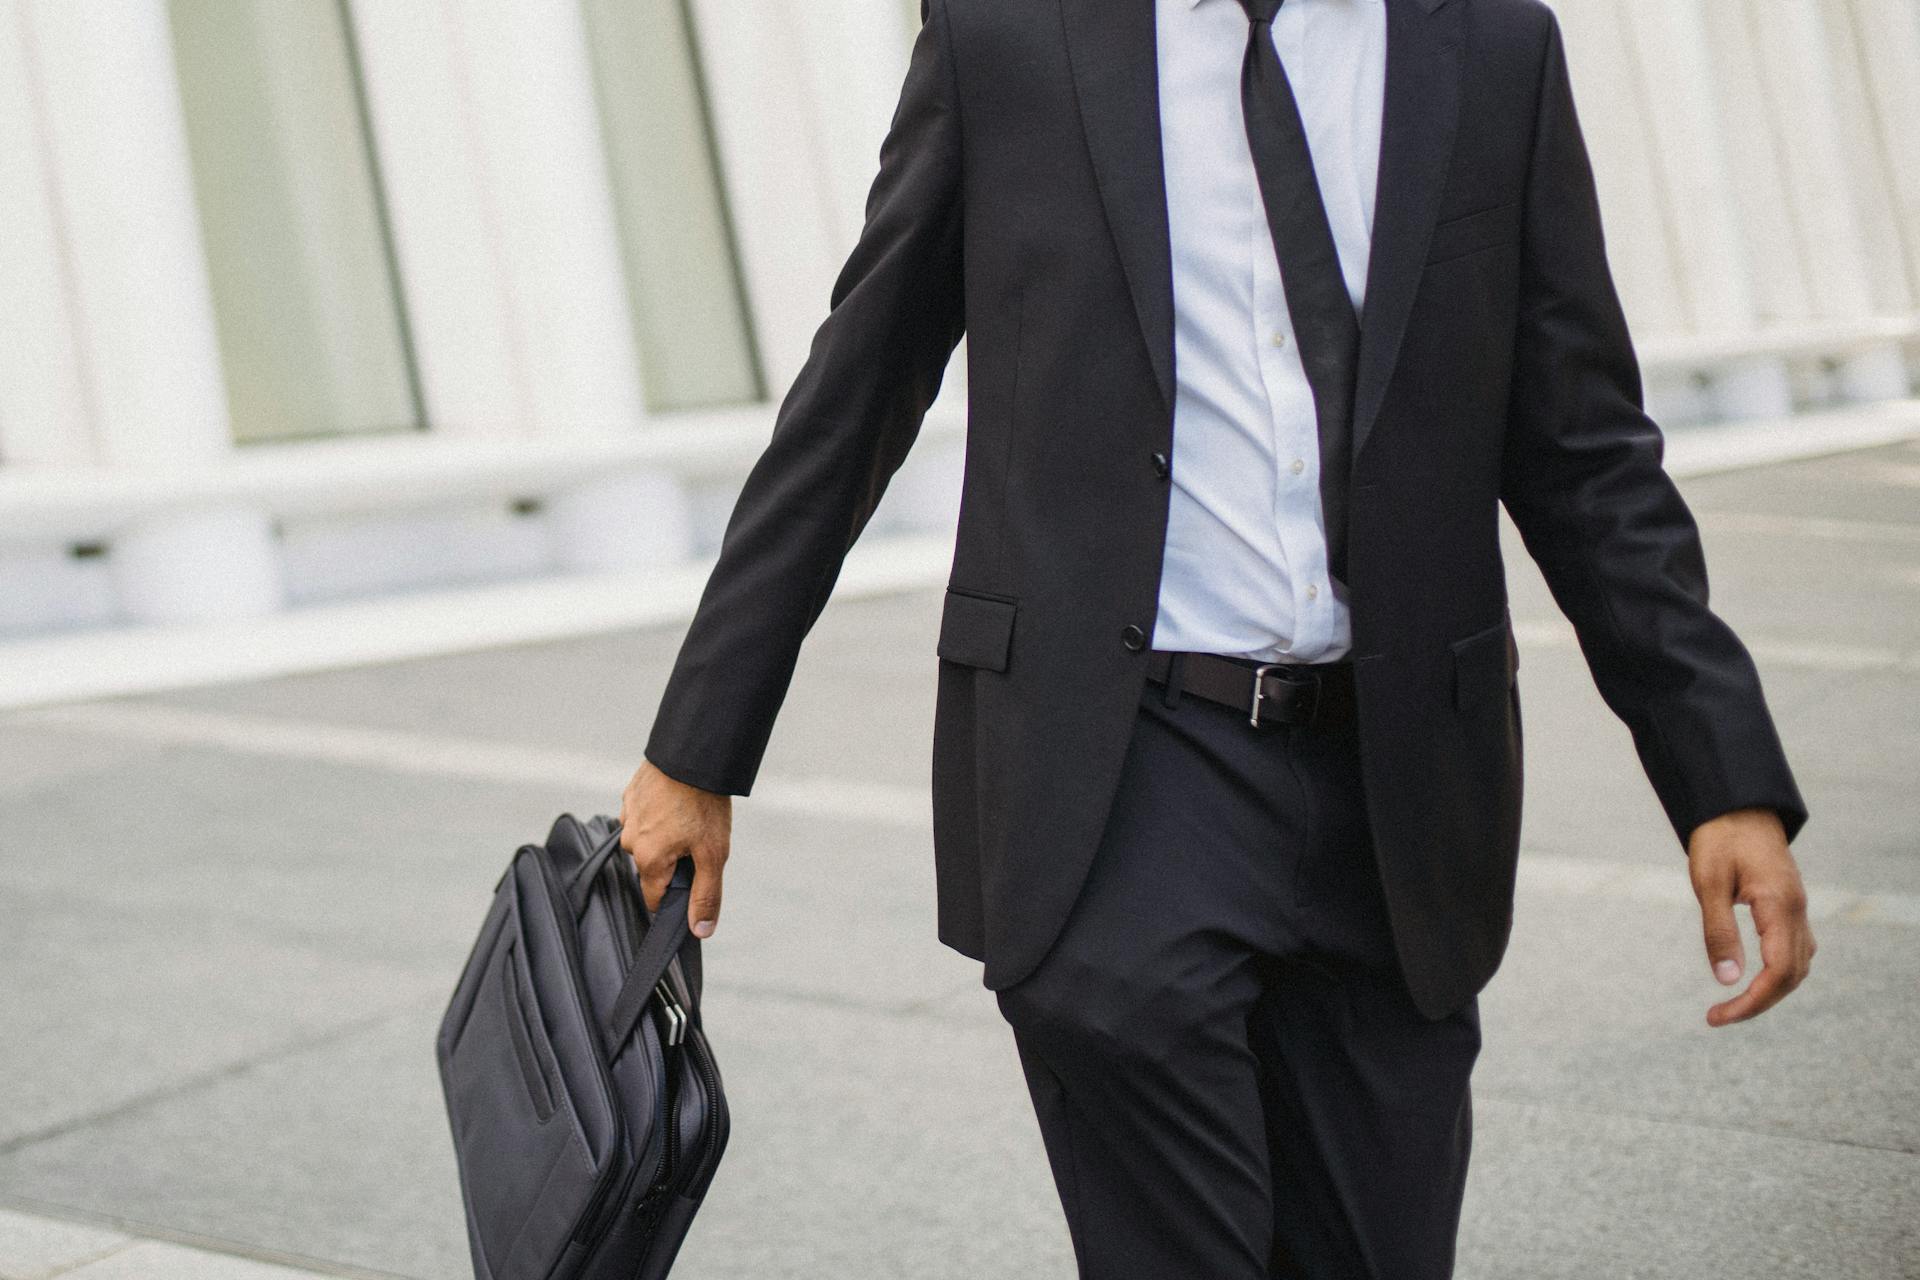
1279, 338
1313, 591
1297, 466
1133, 637
1161, 466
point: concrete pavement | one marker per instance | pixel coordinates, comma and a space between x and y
232, 915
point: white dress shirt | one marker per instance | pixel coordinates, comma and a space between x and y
1246, 554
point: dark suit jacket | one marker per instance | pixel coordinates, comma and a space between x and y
1021, 199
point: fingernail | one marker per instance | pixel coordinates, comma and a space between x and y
1728, 971
704, 929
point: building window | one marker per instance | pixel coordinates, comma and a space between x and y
312, 328
683, 274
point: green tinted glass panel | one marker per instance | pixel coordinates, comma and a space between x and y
683, 278
311, 329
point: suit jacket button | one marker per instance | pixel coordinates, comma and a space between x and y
1133, 637
1161, 467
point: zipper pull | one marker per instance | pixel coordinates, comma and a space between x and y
671, 1009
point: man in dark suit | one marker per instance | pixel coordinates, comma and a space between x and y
1270, 307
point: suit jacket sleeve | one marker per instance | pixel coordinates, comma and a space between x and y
1583, 481
842, 430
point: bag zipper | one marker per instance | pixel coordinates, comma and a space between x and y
710, 1082
557, 896
595, 1222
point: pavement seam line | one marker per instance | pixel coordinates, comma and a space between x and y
80, 1260
880, 804
1555, 633
1500, 1099
212, 1076
1832, 528
138, 1233
305, 940
398, 751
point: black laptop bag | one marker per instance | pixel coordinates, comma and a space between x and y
588, 1115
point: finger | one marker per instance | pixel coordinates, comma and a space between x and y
654, 865
703, 904
1784, 942
1786, 939
1761, 994
653, 887
1767, 989
1726, 955
645, 855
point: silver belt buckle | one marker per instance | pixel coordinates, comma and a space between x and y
1260, 693
1259, 680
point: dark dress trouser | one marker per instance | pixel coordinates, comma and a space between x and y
1230, 1078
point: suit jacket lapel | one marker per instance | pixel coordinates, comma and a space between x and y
1111, 45
1416, 148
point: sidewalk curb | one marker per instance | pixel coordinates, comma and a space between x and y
125, 661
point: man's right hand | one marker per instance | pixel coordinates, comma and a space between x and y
663, 820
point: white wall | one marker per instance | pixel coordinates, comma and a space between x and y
1758, 161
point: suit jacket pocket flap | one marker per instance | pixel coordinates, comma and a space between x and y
976, 630
1484, 664
1470, 233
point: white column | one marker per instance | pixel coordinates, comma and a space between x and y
446, 227
1808, 127
1871, 145
853, 55
1865, 160
43, 414
1615, 119
144, 313
856, 84
1677, 87
799, 148
542, 162
1892, 62
1781, 292
125, 195
544, 165
773, 158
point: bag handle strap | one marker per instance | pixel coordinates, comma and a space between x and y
666, 935
580, 886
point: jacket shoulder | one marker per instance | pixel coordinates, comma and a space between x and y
1519, 25
1510, 39
1530, 15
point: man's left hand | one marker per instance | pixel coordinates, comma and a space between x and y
1742, 856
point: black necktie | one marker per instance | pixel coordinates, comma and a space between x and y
1317, 299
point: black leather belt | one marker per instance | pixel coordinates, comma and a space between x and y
1317, 694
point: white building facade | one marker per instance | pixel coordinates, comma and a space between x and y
309, 303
